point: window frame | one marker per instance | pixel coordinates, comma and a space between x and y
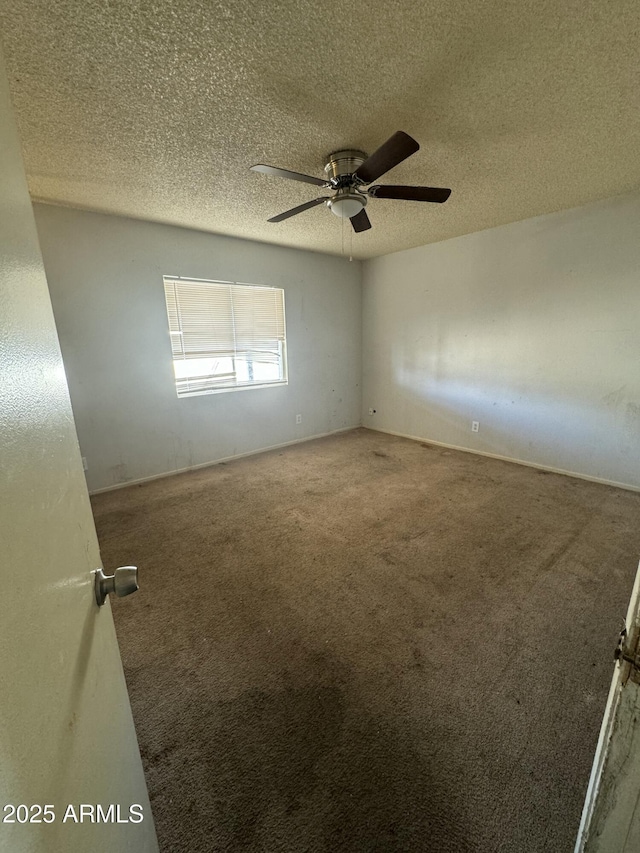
282, 360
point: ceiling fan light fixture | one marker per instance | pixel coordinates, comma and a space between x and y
346, 205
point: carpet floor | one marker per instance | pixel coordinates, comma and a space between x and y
364, 643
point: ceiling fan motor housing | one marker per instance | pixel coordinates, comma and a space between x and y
341, 165
347, 202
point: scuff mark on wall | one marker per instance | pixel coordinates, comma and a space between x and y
615, 398
119, 473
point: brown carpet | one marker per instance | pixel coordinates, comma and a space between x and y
365, 643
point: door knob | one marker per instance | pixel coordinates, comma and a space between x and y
122, 582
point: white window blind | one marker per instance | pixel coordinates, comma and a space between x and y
225, 335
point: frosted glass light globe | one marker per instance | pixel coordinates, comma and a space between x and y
346, 206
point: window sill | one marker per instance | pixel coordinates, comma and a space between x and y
253, 387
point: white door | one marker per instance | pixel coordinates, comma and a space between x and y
66, 734
611, 816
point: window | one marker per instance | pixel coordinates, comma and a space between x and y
225, 335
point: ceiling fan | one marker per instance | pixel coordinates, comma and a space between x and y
349, 171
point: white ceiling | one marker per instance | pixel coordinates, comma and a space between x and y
157, 109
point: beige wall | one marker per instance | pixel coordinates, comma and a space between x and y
532, 329
105, 276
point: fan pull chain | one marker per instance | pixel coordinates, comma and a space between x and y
350, 243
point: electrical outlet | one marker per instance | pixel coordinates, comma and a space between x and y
475, 426
298, 419
84, 463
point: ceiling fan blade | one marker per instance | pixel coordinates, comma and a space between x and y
396, 149
299, 209
285, 173
435, 194
360, 221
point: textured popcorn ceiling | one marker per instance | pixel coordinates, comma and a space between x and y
157, 109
